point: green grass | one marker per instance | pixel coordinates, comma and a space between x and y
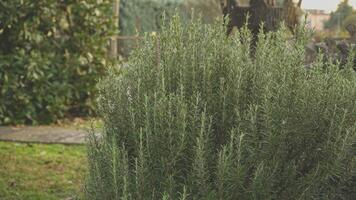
36, 172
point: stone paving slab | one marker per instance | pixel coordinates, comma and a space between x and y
44, 134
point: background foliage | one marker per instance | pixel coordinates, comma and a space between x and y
51, 55
142, 16
202, 119
337, 18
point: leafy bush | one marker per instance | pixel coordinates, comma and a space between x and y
51, 55
201, 119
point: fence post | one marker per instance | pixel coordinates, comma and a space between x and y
114, 41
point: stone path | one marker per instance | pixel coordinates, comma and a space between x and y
44, 134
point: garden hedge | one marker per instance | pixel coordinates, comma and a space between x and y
51, 55
202, 118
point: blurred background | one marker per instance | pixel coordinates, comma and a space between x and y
328, 18
52, 56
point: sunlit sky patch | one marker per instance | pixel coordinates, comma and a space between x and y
328, 5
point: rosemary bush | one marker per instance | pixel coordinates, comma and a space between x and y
200, 118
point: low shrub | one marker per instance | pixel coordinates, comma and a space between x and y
52, 54
200, 118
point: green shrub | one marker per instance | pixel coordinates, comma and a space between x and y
200, 119
51, 55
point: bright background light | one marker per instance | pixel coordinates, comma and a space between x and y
328, 5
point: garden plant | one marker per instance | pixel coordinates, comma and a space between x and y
52, 53
196, 115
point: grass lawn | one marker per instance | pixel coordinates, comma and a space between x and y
41, 172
